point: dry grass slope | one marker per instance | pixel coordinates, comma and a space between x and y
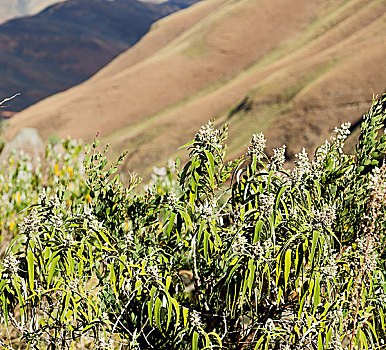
293, 70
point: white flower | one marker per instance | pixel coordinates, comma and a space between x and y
267, 201
172, 200
30, 224
10, 265
260, 250
257, 145
160, 172
330, 269
207, 135
240, 243
269, 325
153, 271
207, 209
73, 285
278, 158
341, 136
325, 217
303, 167
195, 319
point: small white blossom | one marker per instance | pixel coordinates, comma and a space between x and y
325, 217
240, 243
195, 319
303, 166
172, 200
278, 158
270, 325
43, 196
30, 224
207, 135
153, 271
105, 344
341, 135
267, 201
257, 145
260, 250
73, 284
159, 171
10, 265
207, 209
129, 237
330, 269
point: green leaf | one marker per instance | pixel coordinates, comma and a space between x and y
177, 308
317, 291
315, 238
185, 312
171, 224
258, 227
157, 313
251, 278
287, 267
320, 342
195, 341
31, 269
279, 295
150, 305
188, 144
65, 302
113, 279
52, 269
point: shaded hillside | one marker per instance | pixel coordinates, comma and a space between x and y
17, 8
68, 42
293, 70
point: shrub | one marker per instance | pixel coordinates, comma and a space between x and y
23, 178
234, 255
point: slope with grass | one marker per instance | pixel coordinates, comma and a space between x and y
68, 42
293, 70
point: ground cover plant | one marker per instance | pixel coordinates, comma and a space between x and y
246, 254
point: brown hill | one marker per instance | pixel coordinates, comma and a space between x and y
292, 69
68, 42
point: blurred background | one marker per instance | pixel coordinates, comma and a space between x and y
146, 75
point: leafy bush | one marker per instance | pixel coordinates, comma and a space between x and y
22, 179
234, 255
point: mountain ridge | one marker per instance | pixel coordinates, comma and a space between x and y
294, 72
68, 42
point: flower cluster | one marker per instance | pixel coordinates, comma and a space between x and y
207, 209
30, 223
10, 265
303, 166
257, 145
260, 250
330, 269
278, 158
321, 155
172, 200
341, 135
240, 243
195, 319
267, 201
324, 217
207, 135
153, 271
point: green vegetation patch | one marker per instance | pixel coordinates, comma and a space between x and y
211, 255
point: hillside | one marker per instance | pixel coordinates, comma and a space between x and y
18, 8
293, 70
68, 42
